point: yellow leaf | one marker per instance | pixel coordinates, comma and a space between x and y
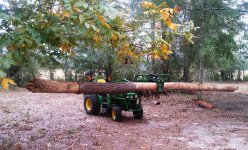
148, 5
165, 57
66, 14
23, 45
5, 83
155, 55
165, 49
171, 25
126, 51
107, 26
189, 36
103, 21
75, 9
115, 37
126, 45
164, 14
169, 10
97, 38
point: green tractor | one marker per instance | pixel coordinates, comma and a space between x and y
115, 103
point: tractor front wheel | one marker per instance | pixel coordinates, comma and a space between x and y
138, 114
116, 113
91, 104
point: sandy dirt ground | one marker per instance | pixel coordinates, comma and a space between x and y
58, 121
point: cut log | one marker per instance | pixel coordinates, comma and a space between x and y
204, 103
48, 86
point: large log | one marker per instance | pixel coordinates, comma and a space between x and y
48, 86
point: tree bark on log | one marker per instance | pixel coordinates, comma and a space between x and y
48, 86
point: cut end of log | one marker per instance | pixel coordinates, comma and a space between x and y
232, 88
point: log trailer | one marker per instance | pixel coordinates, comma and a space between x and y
116, 103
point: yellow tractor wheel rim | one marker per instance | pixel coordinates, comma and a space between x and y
114, 115
88, 104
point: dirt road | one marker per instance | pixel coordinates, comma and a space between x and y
57, 121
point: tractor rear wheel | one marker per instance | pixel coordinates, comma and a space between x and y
116, 113
91, 104
138, 114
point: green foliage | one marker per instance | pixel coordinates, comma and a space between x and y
245, 78
216, 42
48, 31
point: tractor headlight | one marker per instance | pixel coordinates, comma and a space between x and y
127, 96
136, 96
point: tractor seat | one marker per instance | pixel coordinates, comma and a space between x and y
101, 81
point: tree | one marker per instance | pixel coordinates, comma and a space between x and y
221, 25
61, 25
41, 27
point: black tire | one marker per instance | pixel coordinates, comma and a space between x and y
91, 104
138, 114
116, 113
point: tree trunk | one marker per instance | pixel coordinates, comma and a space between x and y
76, 75
185, 46
66, 70
201, 58
186, 74
231, 74
51, 72
153, 36
48, 86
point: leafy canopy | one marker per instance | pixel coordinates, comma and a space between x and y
40, 27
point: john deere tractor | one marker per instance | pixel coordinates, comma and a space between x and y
116, 103
113, 103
